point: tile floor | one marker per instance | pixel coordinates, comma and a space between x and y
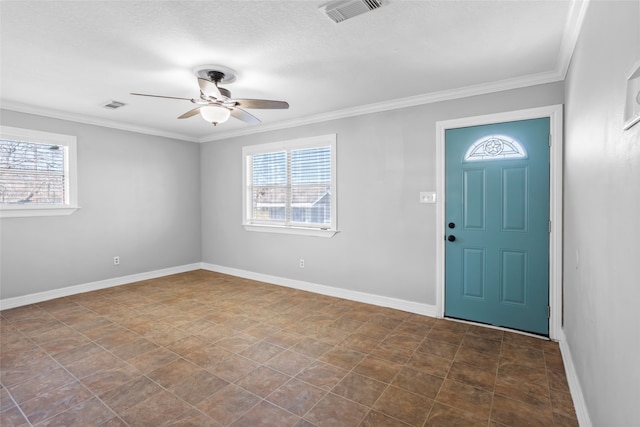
206, 349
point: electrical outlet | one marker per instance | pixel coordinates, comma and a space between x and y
301, 263
116, 260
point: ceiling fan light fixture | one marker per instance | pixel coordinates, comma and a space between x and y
215, 114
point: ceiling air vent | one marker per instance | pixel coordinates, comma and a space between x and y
342, 10
113, 105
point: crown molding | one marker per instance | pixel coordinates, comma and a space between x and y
575, 18
572, 29
411, 101
79, 118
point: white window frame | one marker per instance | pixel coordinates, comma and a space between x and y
294, 144
70, 204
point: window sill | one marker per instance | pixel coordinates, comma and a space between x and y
301, 231
23, 211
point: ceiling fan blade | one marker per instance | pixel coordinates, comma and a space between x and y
209, 88
261, 103
161, 96
190, 113
240, 114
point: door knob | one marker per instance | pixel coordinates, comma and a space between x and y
451, 238
452, 225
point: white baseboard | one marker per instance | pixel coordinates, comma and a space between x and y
93, 286
574, 383
382, 301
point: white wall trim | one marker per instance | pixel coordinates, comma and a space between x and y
8, 303
394, 104
411, 101
79, 118
575, 18
554, 112
379, 300
579, 403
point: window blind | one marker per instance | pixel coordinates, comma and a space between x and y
291, 187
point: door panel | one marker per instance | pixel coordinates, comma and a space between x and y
497, 197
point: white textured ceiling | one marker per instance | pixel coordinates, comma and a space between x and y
67, 58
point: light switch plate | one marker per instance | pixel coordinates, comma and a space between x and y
427, 197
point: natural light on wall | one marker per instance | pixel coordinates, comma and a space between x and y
37, 173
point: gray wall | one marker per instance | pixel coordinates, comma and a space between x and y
140, 200
387, 240
602, 205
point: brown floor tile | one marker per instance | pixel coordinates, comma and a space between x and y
378, 369
557, 380
192, 418
261, 351
515, 413
418, 382
562, 403
510, 372
289, 362
482, 332
454, 337
523, 340
430, 364
553, 360
336, 411
342, 357
54, 402
345, 324
153, 360
377, 419
147, 352
229, 404
196, 388
174, 372
360, 389
403, 405
523, 355
438, 348
484, 361
40, 384
262, 381
155, 410
360, 343
392, 353
296, 396
65, 344
29, 365
13, 417
233, 367
373, 331
472, 376
463, 396
89, 412
447, 416
484, 345
322, 375
561, 420
129, 394
266, 414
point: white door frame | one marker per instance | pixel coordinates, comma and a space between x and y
554, 112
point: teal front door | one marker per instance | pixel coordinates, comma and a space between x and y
497, 224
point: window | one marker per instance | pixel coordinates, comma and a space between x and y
290, 186
37, 173
495, 147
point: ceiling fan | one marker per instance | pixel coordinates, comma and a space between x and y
215, 104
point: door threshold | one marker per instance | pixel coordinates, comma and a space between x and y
499, 328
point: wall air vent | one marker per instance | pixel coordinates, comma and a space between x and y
113, 105
342, 10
